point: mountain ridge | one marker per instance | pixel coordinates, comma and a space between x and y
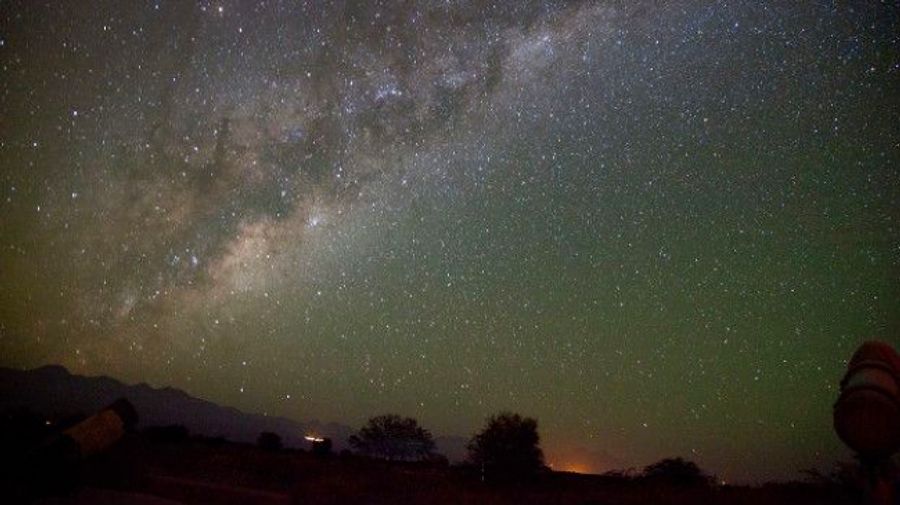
52, 390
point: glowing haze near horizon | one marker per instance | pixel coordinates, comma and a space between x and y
659, 229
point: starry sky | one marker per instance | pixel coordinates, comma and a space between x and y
660, 228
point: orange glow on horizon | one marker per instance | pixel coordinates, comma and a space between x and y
573, 467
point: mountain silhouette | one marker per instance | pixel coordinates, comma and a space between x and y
52, 391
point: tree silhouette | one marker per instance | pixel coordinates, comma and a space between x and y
508, 448
322, 447
269, 441
392, 437
676, 471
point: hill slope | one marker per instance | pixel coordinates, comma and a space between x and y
52, 390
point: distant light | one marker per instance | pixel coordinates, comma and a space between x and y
573, 467
314, 439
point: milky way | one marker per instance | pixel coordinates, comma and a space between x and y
659, 229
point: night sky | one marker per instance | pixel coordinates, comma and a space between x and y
660, 229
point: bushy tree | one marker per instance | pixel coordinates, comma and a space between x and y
322, 447
508, 448
269, 441
392, 437
676, 471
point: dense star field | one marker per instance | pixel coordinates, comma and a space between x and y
660, 229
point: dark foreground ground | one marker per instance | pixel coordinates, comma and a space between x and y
137, 471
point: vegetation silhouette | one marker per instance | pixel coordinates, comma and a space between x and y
676, 472
269, 441
200, 465
844, 478
393, 438
169, 434
20, 428
322, 447
507, 449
